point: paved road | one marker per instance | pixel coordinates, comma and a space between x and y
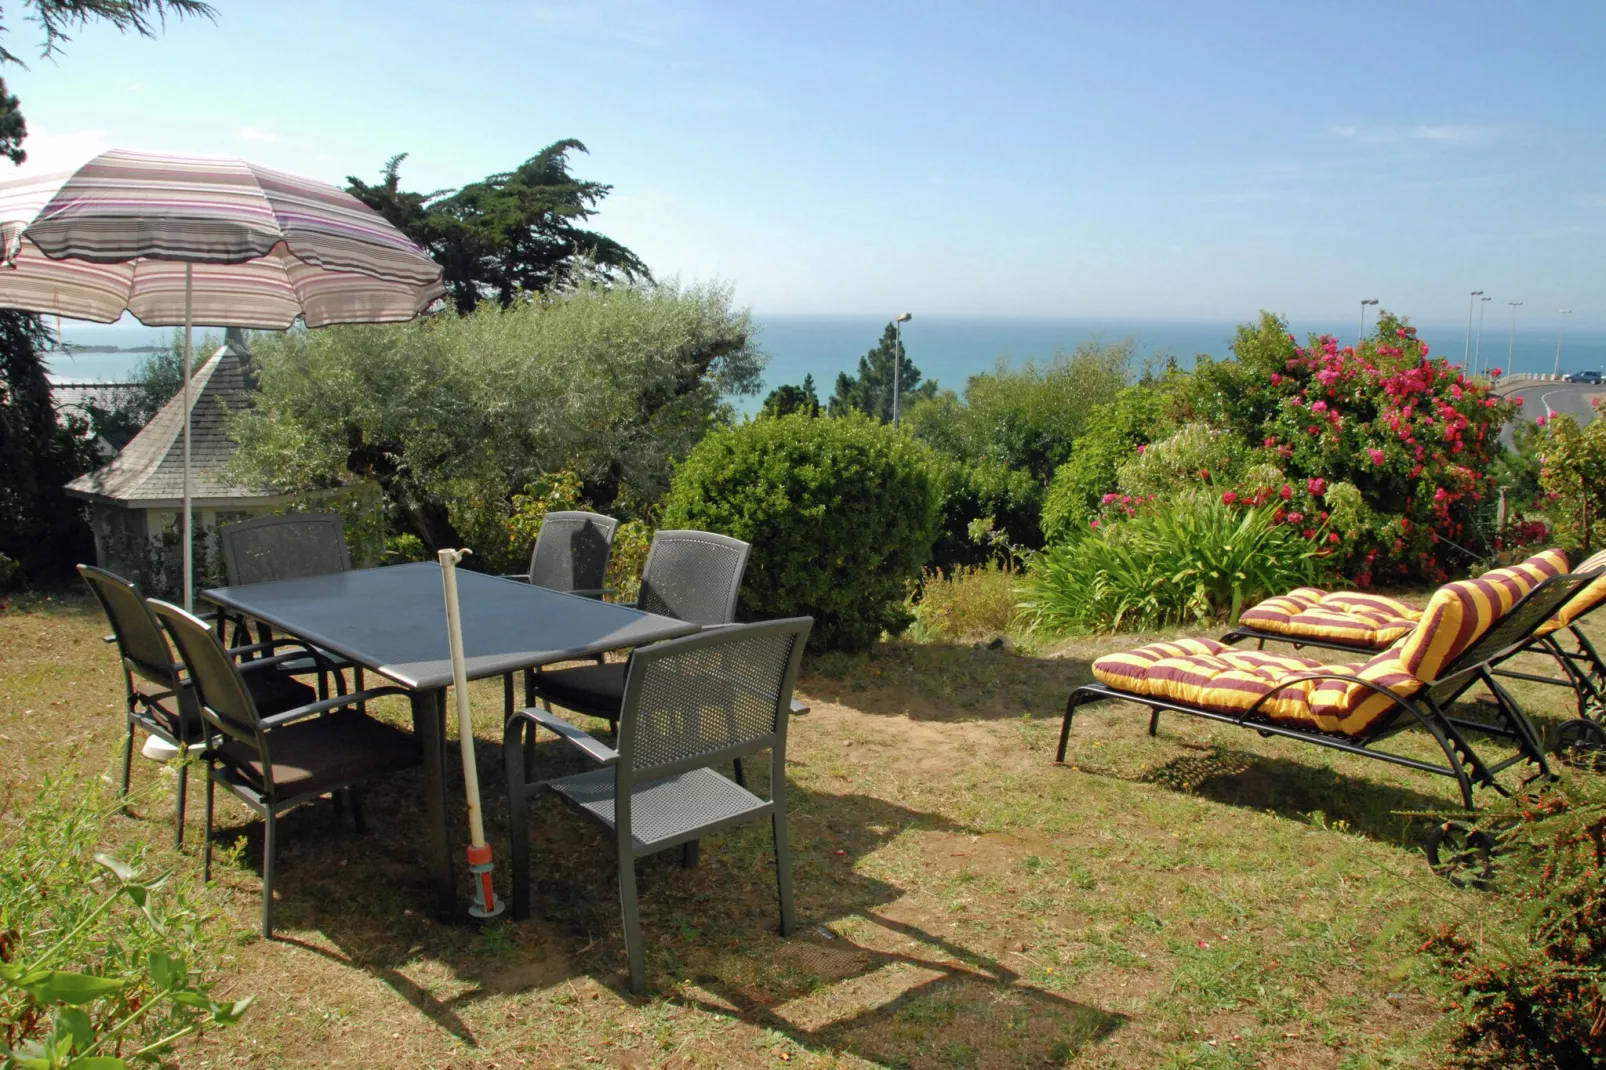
1547, 398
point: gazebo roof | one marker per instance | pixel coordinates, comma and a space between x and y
149, 472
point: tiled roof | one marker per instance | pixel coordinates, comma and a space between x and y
73, 399
150, 469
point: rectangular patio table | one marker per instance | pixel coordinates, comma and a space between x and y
393, 621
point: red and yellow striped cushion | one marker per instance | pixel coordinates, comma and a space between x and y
1354, 617
1199, 672
1583, 601
1461, 612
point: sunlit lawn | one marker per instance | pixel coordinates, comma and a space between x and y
1207, 898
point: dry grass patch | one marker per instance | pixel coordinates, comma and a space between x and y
1206, 898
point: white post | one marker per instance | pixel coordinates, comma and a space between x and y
189, 549
486, 904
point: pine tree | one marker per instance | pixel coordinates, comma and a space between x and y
871, 390
787, 399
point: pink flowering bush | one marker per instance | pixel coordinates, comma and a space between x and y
1413, 437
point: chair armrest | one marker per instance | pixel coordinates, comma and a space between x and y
323, 706
257, 648
525, 576
258, 664
594, 748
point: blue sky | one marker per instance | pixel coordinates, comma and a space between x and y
1173, 160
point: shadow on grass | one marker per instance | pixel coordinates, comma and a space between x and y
944, 681
710, 929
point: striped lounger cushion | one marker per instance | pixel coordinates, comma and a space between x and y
1212, 676
1339, 616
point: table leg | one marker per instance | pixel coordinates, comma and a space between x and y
429, 721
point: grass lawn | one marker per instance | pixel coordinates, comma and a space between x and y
1207, 898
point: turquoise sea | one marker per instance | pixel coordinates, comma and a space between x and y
947, 348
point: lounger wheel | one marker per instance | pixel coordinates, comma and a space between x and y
1580, 743
1461, 854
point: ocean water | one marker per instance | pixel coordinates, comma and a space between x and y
949, 349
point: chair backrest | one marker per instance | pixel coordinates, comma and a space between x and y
139, 637
693, 576
1519, 624
1460, 613
284, 547
571, 553
225, 701
1591, 597
709, 697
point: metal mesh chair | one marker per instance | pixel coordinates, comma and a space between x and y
275, 762
271, 548
689, 704
690, 575
157, 699
268, 548
571, 553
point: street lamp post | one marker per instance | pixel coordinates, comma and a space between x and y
1364, 303
897, 365
1477, 349
1559, 332
1467, 352
1511, 346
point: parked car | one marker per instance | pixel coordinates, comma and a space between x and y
1581, 377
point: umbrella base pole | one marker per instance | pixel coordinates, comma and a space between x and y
486, 904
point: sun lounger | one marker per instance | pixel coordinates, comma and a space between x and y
1354, 706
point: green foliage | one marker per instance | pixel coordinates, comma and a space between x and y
971, 600
1003, 502
1195, 457
1005, 438
39, 525
1526, 981
510, 235
95, 962
841, 514
1135, 417
787, 399
1517, 470
870, 391
1414, 436
453, 415
13, 127
1191, 562
1574, 480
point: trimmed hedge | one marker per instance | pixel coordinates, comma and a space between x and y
841, 512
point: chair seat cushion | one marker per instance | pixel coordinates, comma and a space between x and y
662, 810
1211, 676
273, 692
324, 753
595, 689
1356, 618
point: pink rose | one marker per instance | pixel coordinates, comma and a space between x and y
1317, 487
1287, 492
1377, 456
1110, 497
1097, 524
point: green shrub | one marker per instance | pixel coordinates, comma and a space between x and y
841, 513
98, 968
1574, 480
1005, 501
1525, 977
968, 601
1136, 416
1188, 563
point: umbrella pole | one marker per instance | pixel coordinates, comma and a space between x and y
486, 904
189, 549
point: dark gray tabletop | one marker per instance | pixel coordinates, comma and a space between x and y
393, 620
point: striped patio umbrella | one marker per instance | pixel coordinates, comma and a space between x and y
181, 240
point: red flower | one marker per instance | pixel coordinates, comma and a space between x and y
1097, 524
1377, 456
1204, 474
1287, 492
1229, 497
1317, 487
1332, 536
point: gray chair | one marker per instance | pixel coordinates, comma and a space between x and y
689, 704
268, 548
276, 762
689, 575
157, 698
571, 554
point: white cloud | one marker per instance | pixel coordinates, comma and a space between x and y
1453, 133
50, 151
252, 133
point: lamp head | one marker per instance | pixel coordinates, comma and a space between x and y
1477, 293
903, 317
